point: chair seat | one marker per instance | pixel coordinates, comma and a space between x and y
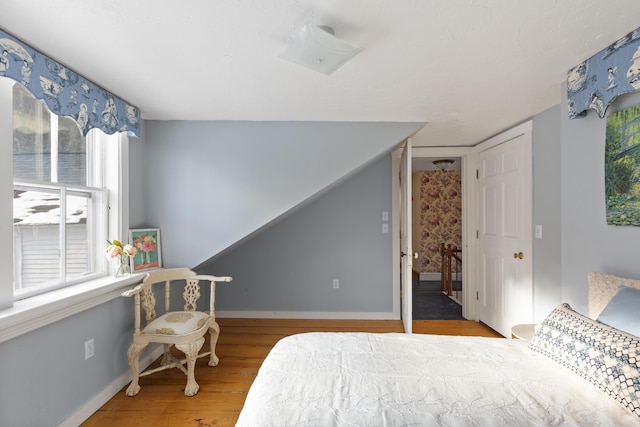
177, 323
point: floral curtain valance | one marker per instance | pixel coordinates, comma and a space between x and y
65, 92
597, 82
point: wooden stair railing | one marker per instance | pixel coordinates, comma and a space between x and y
449, 257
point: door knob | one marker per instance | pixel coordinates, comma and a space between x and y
518, 255
415, 254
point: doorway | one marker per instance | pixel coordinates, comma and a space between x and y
437, 238
475, 285
463, 155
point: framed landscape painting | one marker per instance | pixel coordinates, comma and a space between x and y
147, 242
622, 167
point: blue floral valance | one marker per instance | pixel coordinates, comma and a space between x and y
613, 71
65, 92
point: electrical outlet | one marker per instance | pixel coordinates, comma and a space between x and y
89, 349
336, 284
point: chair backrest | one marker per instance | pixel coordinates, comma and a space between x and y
165, 276
145, 297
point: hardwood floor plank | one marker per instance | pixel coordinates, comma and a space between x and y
454, 327
203, 418
242, 347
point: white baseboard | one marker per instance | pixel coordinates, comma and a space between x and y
306, 315
429, 276
88, 409
437, 276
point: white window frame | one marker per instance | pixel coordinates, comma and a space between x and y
96, 145
96, 222
28, 314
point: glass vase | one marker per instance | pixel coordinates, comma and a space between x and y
123, 268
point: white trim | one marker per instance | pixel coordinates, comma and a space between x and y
395, 232
469, 241
431, 276
41, 310
89, 408
468, 164
6, 192
508, 135
327, 315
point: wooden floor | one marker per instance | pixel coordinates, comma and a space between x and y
243, 345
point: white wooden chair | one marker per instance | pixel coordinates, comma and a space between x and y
185, 329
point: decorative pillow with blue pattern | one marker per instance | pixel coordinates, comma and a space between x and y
606, 357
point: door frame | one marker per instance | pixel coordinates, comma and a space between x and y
470, 248
468, 167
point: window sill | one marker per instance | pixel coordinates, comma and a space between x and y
35, 312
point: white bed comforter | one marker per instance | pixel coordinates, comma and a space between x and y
361, 379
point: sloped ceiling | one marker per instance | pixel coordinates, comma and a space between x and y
470, 68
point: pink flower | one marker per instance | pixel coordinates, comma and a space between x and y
113, 251
130, 250
148, 246
117, 249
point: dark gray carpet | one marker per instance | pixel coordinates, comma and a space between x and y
429, 303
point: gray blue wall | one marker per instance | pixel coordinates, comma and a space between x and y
290, 267
44, 378
588, 243
211, 184
547, 261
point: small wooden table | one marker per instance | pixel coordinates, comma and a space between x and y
523, 331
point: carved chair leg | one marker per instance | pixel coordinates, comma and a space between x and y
166, 358
191, 351
133, 356
214, 333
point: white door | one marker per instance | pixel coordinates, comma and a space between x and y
406, 251
505, 289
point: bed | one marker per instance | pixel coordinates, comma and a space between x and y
575, 371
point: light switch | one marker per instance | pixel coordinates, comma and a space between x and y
385, 228
538, 231
385, 215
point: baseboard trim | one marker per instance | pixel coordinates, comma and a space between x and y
88, 409
306, 315
437, 276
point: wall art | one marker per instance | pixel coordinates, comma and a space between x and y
622, 167
147, 242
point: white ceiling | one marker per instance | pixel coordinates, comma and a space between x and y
470, 68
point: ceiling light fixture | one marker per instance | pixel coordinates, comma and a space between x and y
443, 164
316, 47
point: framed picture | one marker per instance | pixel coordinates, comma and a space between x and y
622, 167
147, 242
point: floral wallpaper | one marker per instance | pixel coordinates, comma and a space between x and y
437, 202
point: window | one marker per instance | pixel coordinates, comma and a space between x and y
60, 204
